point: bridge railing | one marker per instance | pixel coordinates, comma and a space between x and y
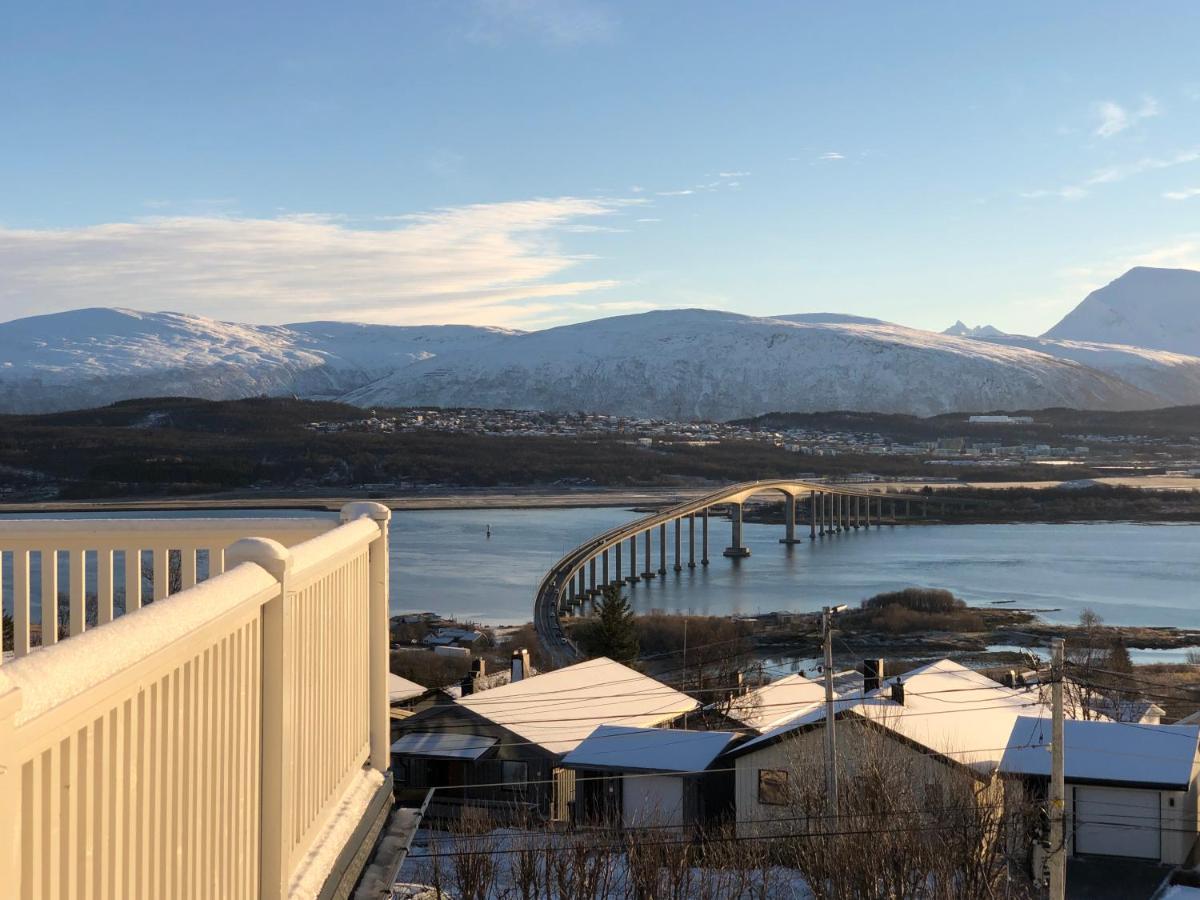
206, 744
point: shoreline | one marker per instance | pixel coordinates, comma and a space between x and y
533, 497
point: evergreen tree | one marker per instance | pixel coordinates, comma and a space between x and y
615, 635
1118, 657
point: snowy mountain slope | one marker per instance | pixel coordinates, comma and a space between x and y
1174, 377
699, 364
1145, 307
90, 357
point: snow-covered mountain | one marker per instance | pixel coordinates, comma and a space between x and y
1173, 377
1145, 307
91, 357
701, 364
961, 329
673, 363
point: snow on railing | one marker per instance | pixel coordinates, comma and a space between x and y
64, 576
203, 745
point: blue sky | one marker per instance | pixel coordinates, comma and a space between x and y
534, 162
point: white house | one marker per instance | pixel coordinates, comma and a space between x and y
941, 714
1131, 788
650, 777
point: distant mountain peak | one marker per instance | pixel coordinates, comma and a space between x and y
1144, 307
961, 329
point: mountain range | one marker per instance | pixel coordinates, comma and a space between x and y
1133, 344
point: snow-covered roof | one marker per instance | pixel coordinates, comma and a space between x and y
444, 745
648, 749
400, 689
953, 710
1106, 752
559, 709
1127, 709
948, 708
785, 698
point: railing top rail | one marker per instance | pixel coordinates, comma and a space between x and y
31, 529
60, 673
316, 554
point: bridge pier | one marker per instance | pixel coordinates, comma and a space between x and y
662, 549
678, 542
692, 541
648, 575
704, 538
857, 512
812, 515
617, 570
633, 575
604, 566
837, 513
789, 516
736, 549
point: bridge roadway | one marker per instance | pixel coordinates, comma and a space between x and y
833, 509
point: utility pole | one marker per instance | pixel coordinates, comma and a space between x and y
831, 785
1058, 850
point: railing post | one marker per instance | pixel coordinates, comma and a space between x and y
277, 731
380, 639
11, 839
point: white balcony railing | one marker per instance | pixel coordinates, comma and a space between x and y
202, 744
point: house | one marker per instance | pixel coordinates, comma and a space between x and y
939, 719
521, 731
1131, 788
785, 698
651, 777
1138, 710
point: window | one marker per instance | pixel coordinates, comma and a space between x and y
514, 774
772, 787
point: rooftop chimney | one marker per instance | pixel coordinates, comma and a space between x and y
872, 674
478, 667
898, 691
520, 665
1009, 679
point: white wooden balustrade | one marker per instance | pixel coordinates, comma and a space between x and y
201, 744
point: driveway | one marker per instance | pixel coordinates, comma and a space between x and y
1101, 878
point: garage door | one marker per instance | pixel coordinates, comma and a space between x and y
1117, 822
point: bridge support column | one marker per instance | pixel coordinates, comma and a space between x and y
633, 575
582, 592
789, 519
617, 570
662, 549
857, 512
592, 591
704, 538
692, 541
648, 575
837, 513
678, 545
812, 515
735, 548
867, 522
604, 566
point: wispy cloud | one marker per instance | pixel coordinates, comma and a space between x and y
1115, 173
1185, 194
558, 22
485, 263
1115, 118
831, 156
682, 193
732, 174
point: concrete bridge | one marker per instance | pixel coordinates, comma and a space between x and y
683, 540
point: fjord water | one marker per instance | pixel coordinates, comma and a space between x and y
1131, 574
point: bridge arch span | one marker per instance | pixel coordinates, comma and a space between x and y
612, 556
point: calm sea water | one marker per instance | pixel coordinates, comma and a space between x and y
1129, 573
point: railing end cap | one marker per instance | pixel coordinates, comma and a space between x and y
372, 510
271, 555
